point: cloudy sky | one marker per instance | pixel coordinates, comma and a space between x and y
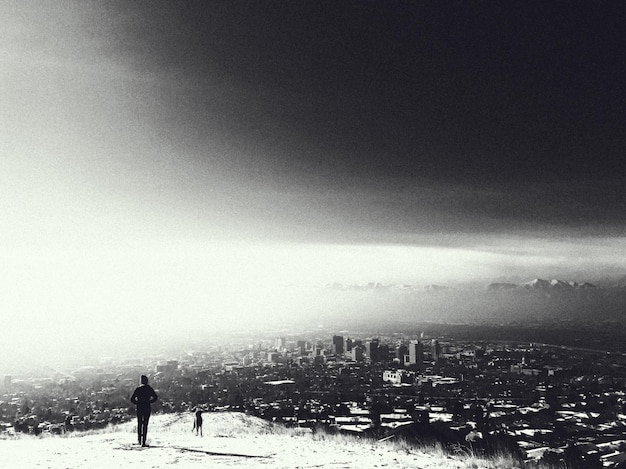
152, 150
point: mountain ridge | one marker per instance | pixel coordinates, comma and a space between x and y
535, 284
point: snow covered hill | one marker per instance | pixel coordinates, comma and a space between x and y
230, 440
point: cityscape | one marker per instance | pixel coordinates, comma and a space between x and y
542, 403
397, 222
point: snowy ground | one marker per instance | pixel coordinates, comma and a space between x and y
230, 439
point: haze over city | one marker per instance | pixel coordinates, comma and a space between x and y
174, 167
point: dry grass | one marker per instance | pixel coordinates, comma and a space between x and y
464, 459
237, 425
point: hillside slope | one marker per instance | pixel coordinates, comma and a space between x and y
230, 439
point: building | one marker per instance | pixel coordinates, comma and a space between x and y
383, 352
356, 354
372, 350
397, 377
401, 351
416, 354
280, 343
347, 344
337, 347
435, 350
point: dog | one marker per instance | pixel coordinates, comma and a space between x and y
197, 422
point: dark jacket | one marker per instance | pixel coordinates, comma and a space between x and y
143, 396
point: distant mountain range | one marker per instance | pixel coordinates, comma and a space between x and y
537, 284
541, 284
536, 301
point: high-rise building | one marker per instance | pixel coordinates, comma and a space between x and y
280, 343
337, 345
372, 350
347, 344
401, 351
416, 354
356, 354
435, 350
383, 352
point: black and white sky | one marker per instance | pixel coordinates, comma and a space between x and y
151, 148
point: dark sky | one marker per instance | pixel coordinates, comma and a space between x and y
471, 115
504, 92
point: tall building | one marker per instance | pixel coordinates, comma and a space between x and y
401, 351
416, 354
356, 354
338, 345
383, 352
435, 350
347, 344
372, 350
280, 343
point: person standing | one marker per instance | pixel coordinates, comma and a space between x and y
143, 396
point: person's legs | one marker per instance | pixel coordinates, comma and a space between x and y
139, 425
144, 429
198, 423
